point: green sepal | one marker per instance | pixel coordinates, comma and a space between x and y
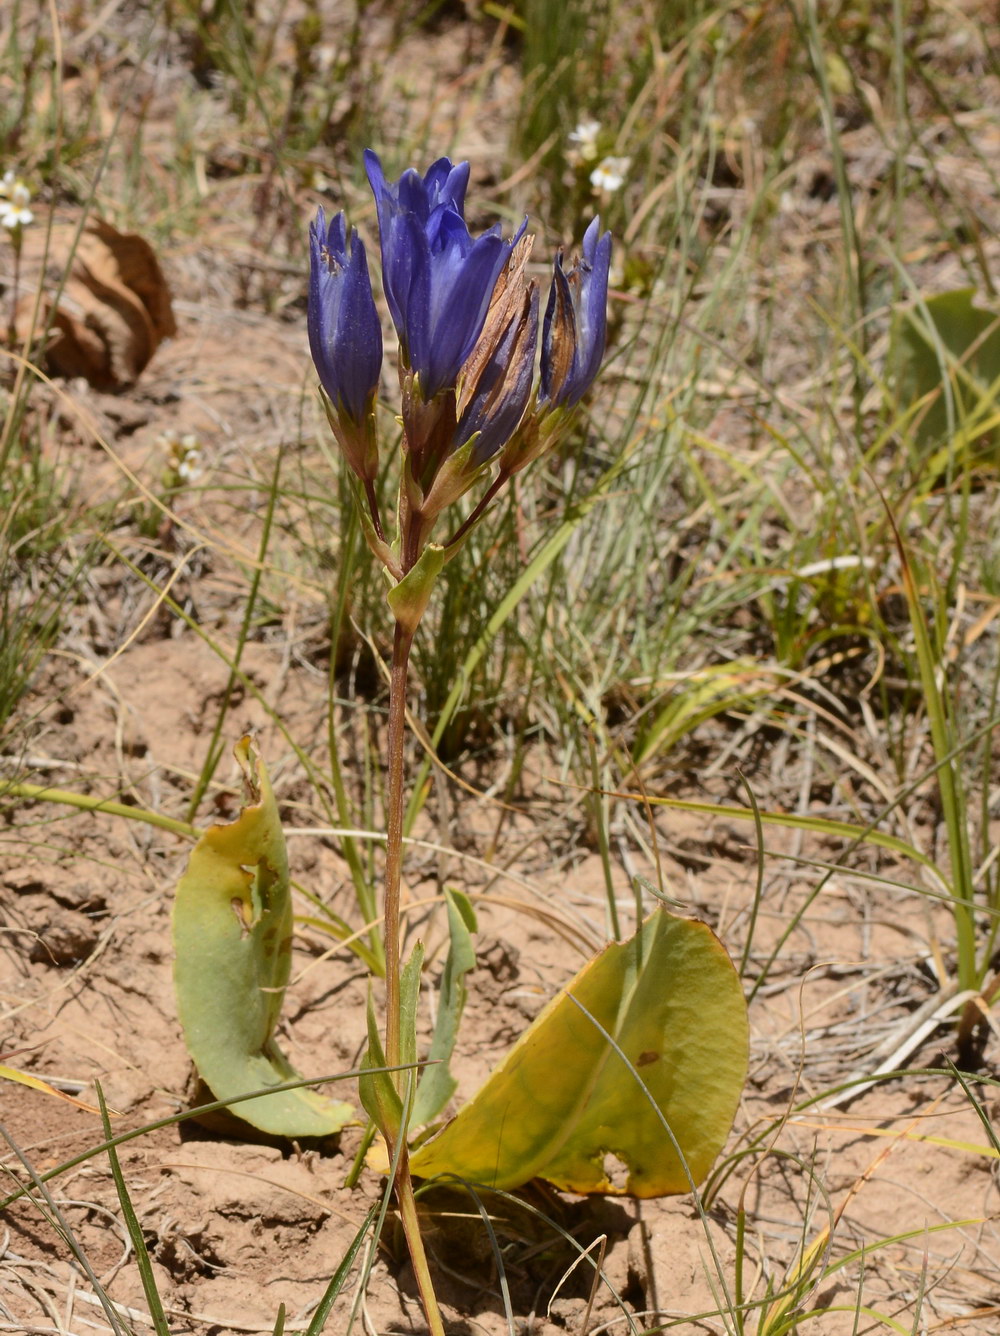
358, 441
454, 478
538, 433
378, 547
408, 599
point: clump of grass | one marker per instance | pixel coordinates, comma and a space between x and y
46, 547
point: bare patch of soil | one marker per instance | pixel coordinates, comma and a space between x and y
127, 709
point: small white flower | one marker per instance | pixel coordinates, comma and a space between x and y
12, 217
183, 455
584, 139
14, 200
189, 469
609, 174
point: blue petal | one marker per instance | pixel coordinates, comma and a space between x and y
438, 279
461, 289
561, 300
359, 334
411, 195
405, 270
345, 337
447, 184
593, 304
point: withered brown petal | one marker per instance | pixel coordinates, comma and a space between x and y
510, 298
563, 338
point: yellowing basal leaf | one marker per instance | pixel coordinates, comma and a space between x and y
565, 1105
233, 937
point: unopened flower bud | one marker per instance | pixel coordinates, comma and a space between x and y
345, 338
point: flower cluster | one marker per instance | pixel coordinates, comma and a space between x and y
466, 315
611, 171
14, 200
183, 458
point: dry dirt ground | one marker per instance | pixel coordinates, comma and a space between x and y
126, 707
235, 1228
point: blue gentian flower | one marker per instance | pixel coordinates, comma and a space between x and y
438, 279
575, 325
345, 335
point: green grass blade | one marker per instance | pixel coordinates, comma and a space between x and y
58, 1222
540, 563
339, 1277
142, 1261
216, 744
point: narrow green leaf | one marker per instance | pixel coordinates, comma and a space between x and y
381, 1091
820, 825
707, 693
377, 1087
232, 937
437, 1085
156, 1314
340, 1275
409, 999
36, 1083
536, 567
564, 1105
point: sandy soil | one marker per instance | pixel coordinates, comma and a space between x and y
235, 1228
126, 708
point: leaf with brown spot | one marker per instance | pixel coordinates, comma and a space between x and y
652, 1034
233, 938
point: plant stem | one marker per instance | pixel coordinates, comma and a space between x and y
87, 802
402, 641
932, 666
415, 1242
480, 509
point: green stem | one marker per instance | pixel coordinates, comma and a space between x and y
415, 1243
949, 783
215, 746
88, 803
364, 888
394, 836
402, 641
